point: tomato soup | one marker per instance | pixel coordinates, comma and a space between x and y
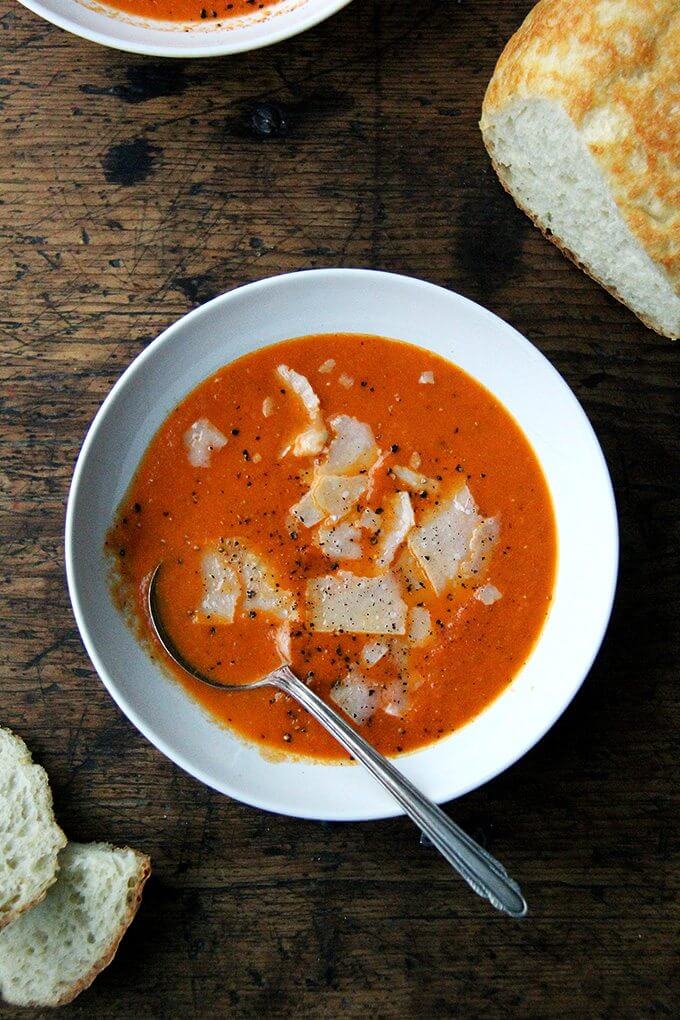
190, 10
358, 507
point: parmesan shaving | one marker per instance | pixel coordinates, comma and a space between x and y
344, 602
327, 366
398, 520
335, 495
373, 652
268, 407
413, 480
454, 542
221, 588
262, 592
426, 377
409, 572
355, 696
414, 461
341, 542
200, 439
307, 511
488, 594
311, 440
419, 626
346, 381
482, 542
282, 641
352, 450
369, 521
395, 700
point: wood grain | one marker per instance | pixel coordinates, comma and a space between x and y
134, 189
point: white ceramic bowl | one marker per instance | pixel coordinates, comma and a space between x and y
102, 24
356, 301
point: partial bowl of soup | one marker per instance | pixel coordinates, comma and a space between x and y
185, 28
372, 479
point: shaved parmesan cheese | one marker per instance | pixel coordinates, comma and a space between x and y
355, 696
327, 366
221, 588
448, 546
419, 626
311, 441
483, 539
409, 573
395, 700
262, 590
340, 542
398, 520
414, 461
344, 602
426, 377
200, 439
301, 385
414, 481
352, 450
369, 520
335, 495
307, 511
373, 651
282, 641
267, 407
346, 381
488, 594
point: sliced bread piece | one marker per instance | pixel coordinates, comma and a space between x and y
30, 839
53, 952
582, 123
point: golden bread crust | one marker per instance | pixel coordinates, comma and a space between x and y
613, 66
133, 905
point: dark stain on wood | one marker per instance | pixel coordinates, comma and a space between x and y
250, 914
145, 81
129, 163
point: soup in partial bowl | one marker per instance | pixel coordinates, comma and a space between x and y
372, 479
185, 28
357, 507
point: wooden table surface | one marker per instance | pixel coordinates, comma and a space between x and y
135, 189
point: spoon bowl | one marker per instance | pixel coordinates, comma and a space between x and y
480, 870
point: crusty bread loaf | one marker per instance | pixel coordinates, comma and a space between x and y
51, 953
582, 122
30, 839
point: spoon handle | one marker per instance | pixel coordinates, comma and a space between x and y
479, 869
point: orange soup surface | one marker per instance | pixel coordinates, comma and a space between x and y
190, 10
356, 506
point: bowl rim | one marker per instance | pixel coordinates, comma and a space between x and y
224, 48
147, 729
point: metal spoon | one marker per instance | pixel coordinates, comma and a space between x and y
479, 869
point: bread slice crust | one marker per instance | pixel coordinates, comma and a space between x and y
133, 895
578, 262
16, 764
612, 69
134, 903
